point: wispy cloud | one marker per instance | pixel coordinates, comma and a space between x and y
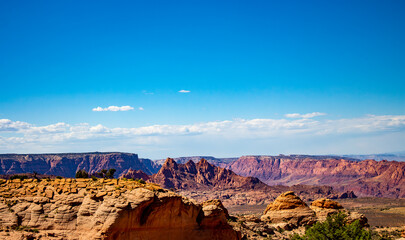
307, 115
21, 135
147, 93
113, 109
141, 108
8, 125
184, 91
240, 127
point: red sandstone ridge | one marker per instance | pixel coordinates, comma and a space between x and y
365, 178
66, 164
201, 176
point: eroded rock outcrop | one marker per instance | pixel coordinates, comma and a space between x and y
107, 209
287, 215
325, 207
290, 209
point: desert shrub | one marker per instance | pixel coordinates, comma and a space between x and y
110, 173
104, 173
81, 174
59, 177
94, 178
335, 227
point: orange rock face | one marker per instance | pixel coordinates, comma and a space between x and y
108, 209
287, 200
365, 178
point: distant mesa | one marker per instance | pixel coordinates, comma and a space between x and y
67, 164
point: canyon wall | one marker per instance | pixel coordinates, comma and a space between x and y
365, 178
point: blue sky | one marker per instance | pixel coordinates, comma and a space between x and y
246, 65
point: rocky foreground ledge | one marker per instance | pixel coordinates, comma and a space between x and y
105, 209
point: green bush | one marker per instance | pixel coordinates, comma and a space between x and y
335, 227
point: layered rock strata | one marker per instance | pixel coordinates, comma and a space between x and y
106, 209
365, 178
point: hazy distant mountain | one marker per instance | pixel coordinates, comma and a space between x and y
379, 157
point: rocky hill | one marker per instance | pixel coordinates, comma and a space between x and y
66, 164
105, 209
201, 176
365, 178
203, 181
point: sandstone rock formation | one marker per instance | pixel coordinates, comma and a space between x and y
324, 207
365, 178
290, 209
288, 214
106, 209
66, 164
201, 176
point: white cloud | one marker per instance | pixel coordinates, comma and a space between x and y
307, 115
113, 109
184, 91
21, 135
141, 108
8, 125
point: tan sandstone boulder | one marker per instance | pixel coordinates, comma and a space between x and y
324, 207
290, 209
